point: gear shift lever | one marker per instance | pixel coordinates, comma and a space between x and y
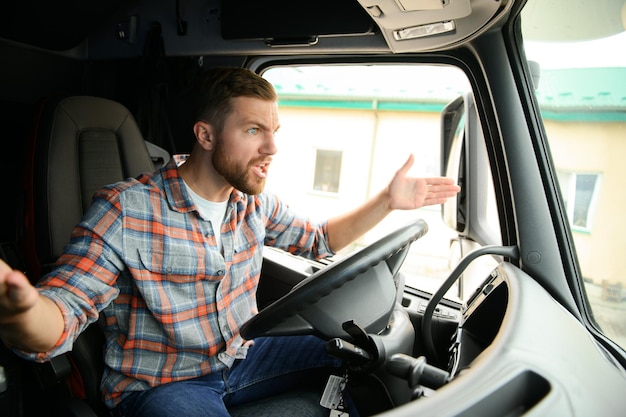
416, 371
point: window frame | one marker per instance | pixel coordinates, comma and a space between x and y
327, 177
570, 193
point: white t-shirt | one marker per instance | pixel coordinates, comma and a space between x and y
211, 211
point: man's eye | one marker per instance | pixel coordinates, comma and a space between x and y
253, 130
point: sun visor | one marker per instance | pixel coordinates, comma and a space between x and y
55, 25
289, 19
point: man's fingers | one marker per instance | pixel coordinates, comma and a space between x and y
440, 181
442, 187
18, 286
16, 292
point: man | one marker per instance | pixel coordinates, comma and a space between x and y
172, 261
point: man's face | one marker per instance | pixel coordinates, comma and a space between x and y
243, 150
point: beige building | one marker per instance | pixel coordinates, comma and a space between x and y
334, 152
600, 241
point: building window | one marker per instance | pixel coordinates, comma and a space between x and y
579, 193
327, 170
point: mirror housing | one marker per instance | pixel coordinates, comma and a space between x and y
473, 213
453, 160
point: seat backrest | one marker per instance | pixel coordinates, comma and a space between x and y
80, 144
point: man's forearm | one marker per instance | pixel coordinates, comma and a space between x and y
35, 330
348, 227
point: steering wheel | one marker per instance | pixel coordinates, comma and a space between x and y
359, 287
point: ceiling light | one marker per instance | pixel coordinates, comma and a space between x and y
423, 31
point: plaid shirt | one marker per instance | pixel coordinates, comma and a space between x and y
172, 303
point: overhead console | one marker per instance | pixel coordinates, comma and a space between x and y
195, 27
406, 25
422, 25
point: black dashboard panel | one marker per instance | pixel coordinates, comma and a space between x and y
482, 317
280, 273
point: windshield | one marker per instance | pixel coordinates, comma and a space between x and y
346, 129
582, 96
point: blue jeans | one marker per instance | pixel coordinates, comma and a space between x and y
273, 365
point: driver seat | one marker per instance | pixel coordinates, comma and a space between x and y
80, 144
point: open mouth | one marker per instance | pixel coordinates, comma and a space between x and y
260, 170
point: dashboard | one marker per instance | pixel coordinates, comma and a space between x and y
516, 351
510, 350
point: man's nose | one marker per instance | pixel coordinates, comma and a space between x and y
269, 144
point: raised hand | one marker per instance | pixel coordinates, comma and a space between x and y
407, 193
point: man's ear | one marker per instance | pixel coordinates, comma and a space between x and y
204, 135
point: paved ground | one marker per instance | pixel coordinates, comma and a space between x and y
610, 314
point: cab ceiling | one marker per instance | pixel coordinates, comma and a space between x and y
118, 28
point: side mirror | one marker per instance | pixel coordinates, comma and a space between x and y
473, 213
453, 126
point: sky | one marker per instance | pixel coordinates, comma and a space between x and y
607, 52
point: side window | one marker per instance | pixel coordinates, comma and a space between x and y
348, 129
580, 191
582, 97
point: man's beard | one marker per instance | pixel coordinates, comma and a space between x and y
238, 177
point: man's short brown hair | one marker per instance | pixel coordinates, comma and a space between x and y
213, 90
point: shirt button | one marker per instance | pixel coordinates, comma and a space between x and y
220, 272
168, 270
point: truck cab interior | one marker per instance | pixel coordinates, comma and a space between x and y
506, 300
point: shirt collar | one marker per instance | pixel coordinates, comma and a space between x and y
177, 195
